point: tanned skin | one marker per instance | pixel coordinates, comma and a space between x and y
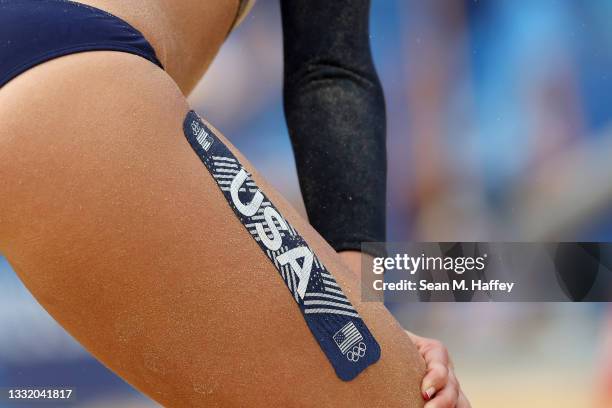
122, 235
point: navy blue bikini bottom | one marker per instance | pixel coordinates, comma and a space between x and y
35, 31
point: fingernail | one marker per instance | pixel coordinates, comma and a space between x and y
429, 393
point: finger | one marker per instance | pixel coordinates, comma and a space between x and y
435, 379
451, 363
446, 398
462, 401
417, 340
434, 351
436, 359
422, 342
452, 377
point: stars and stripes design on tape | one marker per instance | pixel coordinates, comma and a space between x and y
334, 322
347, 337
332, 300
202, 136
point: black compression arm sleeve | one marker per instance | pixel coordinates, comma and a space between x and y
335, 112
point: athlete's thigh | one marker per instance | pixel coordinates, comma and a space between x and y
120, 232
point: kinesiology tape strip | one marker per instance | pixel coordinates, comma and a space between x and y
340, 331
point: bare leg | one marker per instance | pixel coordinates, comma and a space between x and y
119, 231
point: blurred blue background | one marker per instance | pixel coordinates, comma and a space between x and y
499, 129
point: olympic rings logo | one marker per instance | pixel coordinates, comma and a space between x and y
356, 352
